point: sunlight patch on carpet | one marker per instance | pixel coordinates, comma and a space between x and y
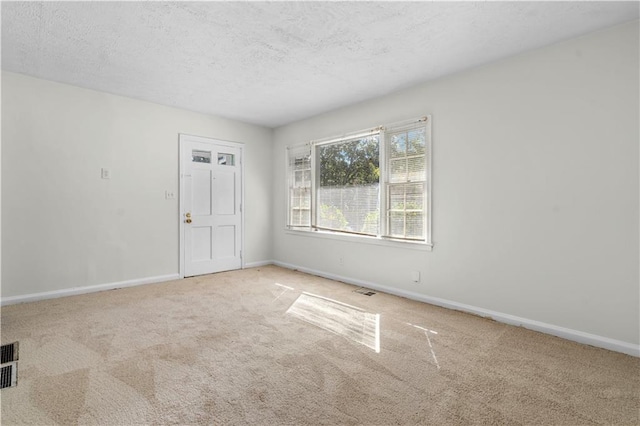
426, 332
284, 289
344, 320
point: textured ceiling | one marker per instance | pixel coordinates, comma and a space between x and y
274, 63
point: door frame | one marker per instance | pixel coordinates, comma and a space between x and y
182, 138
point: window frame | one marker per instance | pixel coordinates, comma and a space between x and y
291, 184
383, 238
426, 201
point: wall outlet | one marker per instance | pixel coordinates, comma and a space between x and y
105, 173
341, 261
415, 276
169, 195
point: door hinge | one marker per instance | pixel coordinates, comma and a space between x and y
240, 207
240, 254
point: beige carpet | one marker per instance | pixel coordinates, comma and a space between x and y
269, 346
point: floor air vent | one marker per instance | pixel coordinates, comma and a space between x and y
9, 358
9, 353
365, 291
9, 375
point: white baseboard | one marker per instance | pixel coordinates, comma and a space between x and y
257, 264
554, 330
87, 289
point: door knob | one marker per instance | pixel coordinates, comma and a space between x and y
188, 215
188, 220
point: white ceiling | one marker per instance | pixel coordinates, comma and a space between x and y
274, 63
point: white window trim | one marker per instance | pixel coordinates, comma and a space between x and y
426, 245
362, 239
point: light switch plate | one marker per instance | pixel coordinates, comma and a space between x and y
105, 173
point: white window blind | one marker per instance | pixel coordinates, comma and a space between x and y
406, 187
299, 183
348, 189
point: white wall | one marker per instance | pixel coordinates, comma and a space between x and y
63, 226
535, 188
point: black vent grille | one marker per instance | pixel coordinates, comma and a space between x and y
9, 361
9, 353
8, 377
365, 291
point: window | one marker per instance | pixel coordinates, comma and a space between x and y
300, 187
407, 183
374, 183
200, 156
226, 159
348, 185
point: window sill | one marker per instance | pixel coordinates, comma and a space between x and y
362, 239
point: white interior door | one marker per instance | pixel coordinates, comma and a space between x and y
211, 205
